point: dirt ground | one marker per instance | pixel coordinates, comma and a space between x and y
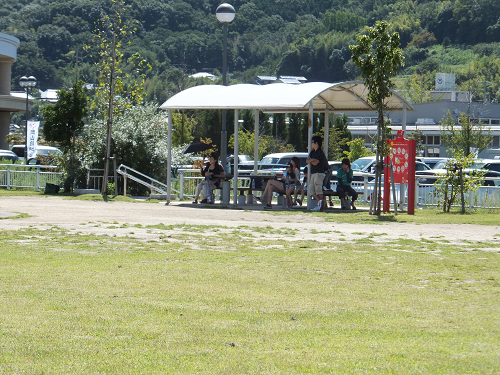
116, 218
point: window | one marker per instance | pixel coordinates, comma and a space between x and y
433, 139
495, 142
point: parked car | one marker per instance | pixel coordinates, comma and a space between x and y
430, 161
40, 150
363, 164
276, 163
8, 155
245, 164
419, 169
491, 167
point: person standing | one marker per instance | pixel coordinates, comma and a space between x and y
319, 165
344, 177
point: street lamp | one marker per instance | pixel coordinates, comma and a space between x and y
26, 83
225, 13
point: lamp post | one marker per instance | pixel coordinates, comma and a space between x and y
225, 13
26, 83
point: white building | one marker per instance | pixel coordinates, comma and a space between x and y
8, 102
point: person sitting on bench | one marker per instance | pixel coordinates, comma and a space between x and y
344, 177
281, 183
210, 183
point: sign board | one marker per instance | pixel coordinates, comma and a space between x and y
402, 158
32, 141
399, 156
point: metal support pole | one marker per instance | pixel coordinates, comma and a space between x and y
38, 179
235, 176
181, 185
169, 156
403, 120
327, 133
310, 203
223, 132
115, 175
26, 129
256, 143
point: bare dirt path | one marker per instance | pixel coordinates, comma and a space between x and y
117, 218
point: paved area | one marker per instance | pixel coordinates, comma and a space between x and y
116, 218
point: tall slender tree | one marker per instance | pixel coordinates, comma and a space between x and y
117, 90
378, 56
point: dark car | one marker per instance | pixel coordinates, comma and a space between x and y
8, 155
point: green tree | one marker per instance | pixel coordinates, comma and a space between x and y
267, 144
378, 56
343, 134
118, 89
357, 149
455, 181
469, 136
139, 142
183, 129
64, 122
417, 90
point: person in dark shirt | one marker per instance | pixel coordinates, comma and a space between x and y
319, 165
344, 177
210, 183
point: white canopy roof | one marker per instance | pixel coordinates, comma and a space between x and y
282, 97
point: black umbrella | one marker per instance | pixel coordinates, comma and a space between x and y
196, 147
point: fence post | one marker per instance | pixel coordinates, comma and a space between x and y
8, 177
181, 185
471, 201
115, 175
38, 179
365, 189
417, 191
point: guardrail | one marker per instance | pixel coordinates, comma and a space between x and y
29, 176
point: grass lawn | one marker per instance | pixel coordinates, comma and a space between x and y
85, 304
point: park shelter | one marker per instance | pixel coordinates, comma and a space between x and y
277, 98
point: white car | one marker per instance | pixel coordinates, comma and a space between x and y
40, 150
276, 163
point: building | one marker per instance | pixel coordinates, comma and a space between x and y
9, 102
427, 117
266, 80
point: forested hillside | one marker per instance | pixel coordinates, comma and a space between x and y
284, 37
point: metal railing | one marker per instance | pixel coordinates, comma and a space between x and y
426, 195
485, 197
188, 180
153, 185
29, 176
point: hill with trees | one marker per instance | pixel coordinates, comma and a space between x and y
310, 38
268, 37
